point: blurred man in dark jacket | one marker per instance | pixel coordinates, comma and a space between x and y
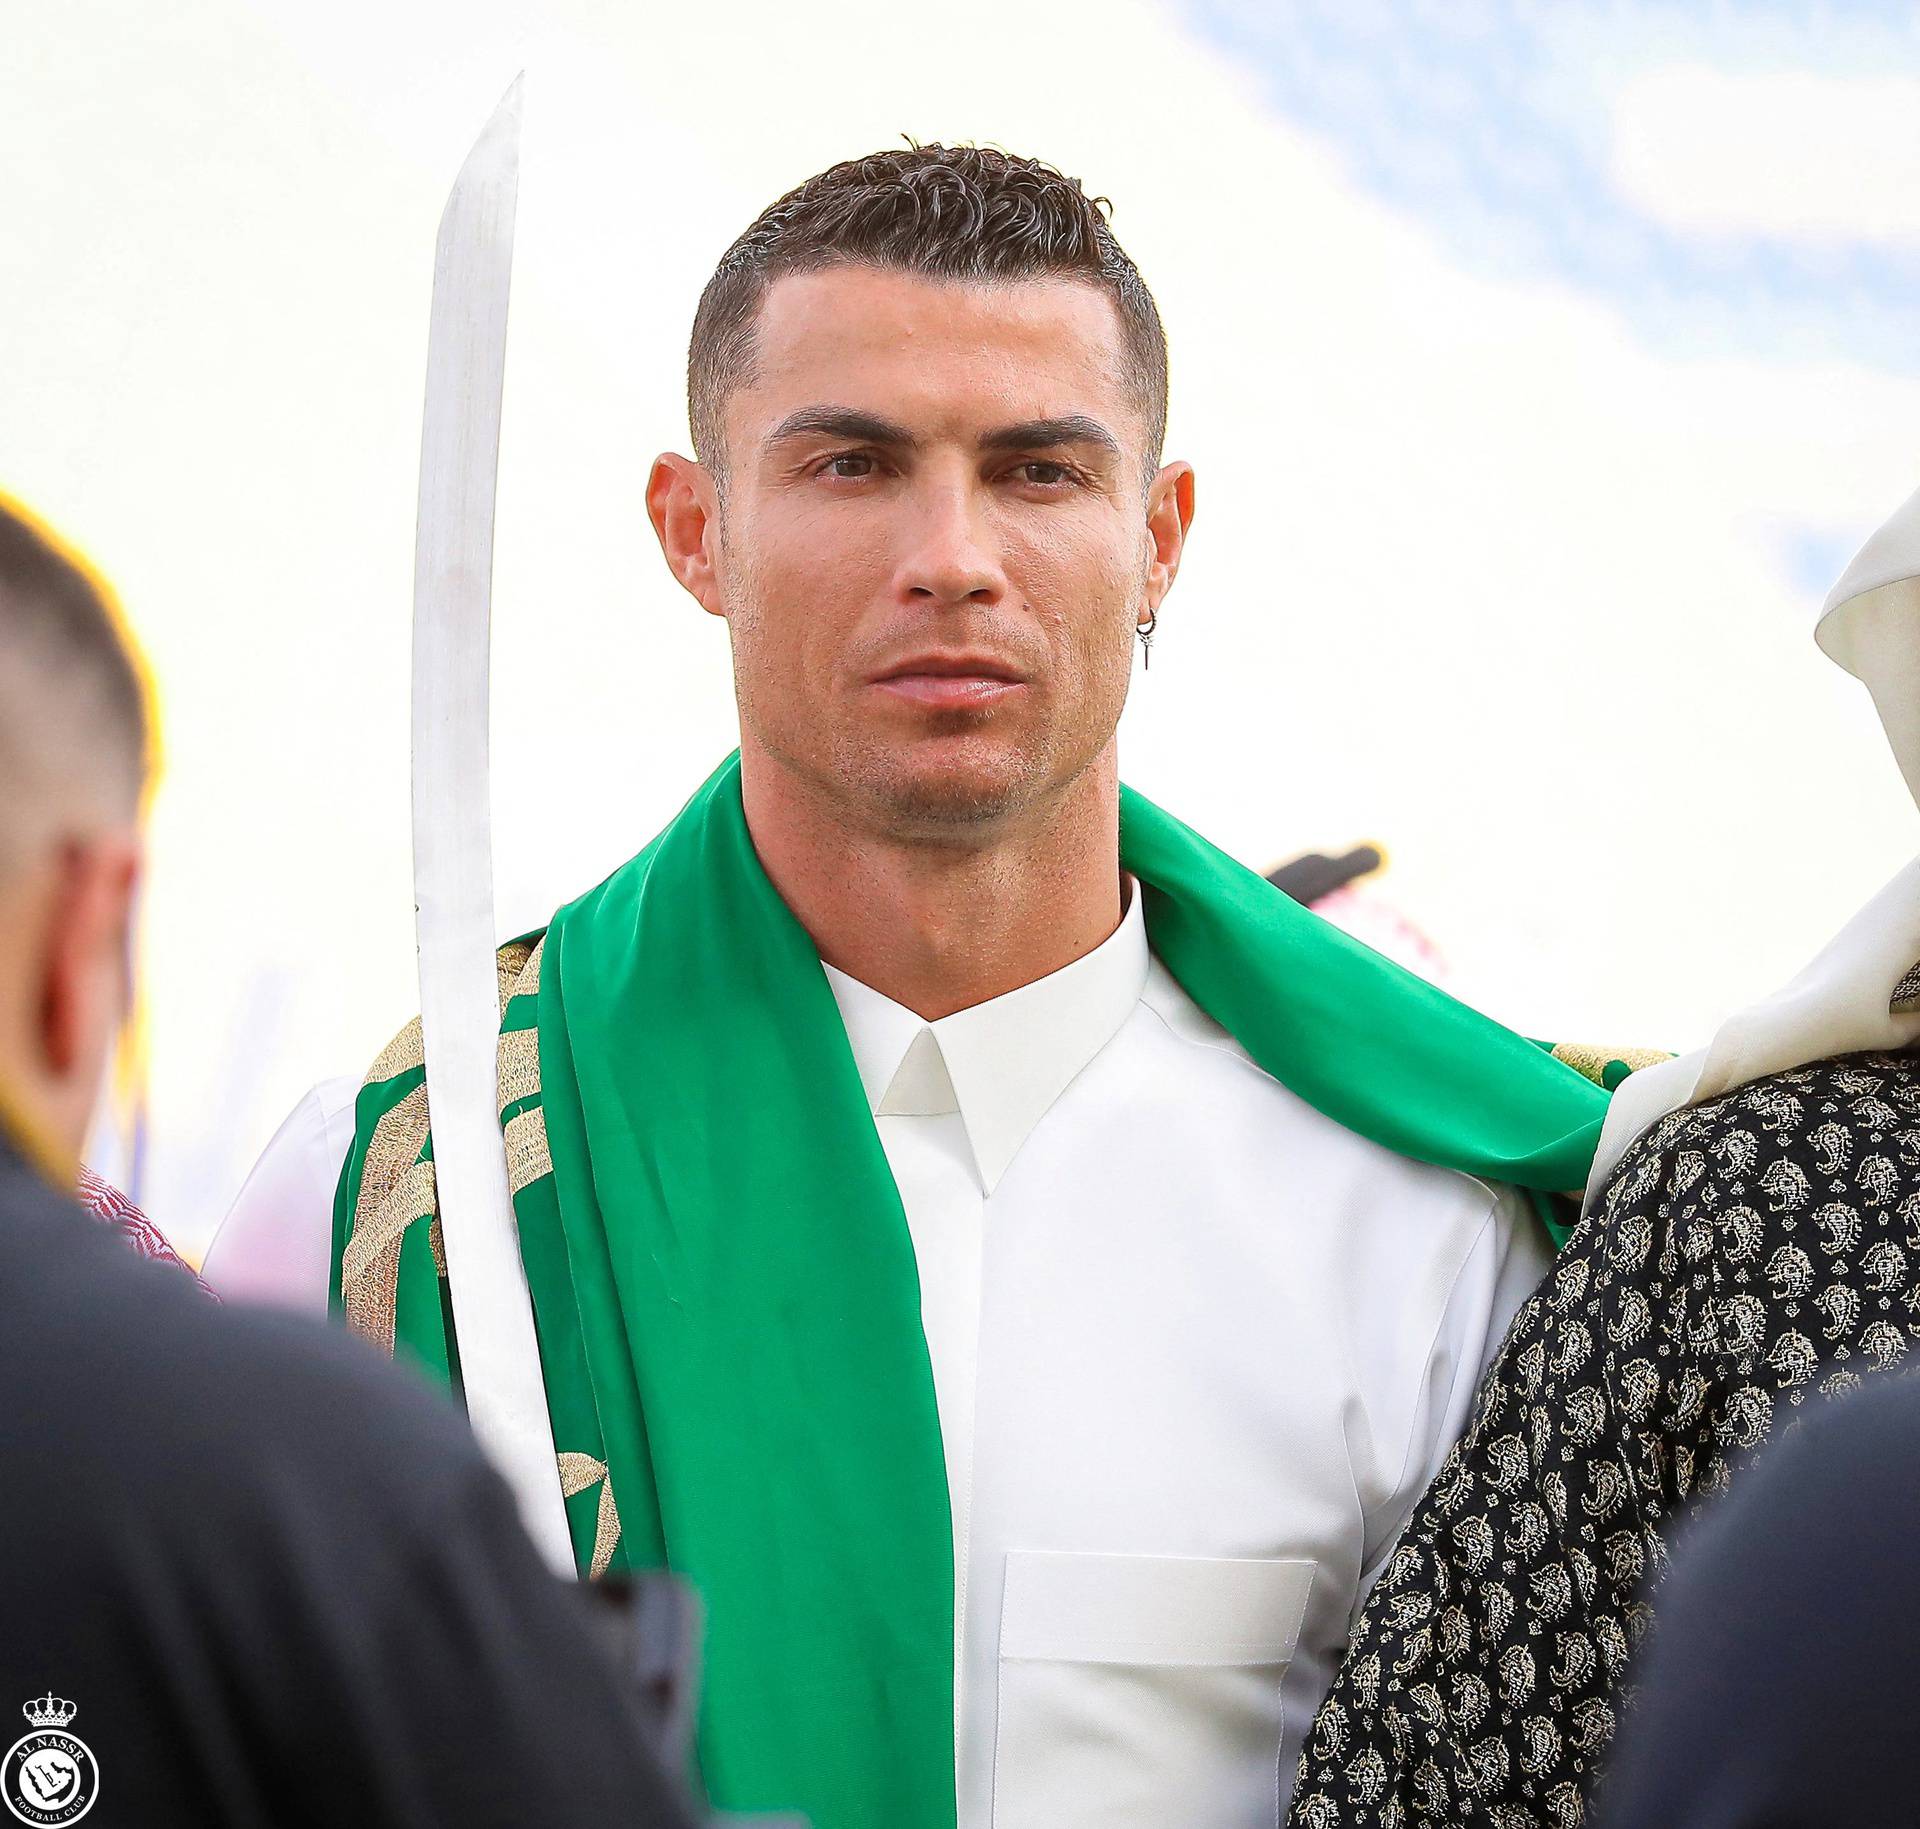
248, 1573
1780, 1686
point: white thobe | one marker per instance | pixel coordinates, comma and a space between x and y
1197, 1351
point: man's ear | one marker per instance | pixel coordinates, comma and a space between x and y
87, 982
683, 503
1169, 515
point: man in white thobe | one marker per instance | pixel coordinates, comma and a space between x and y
1197, 1344
1197, 1349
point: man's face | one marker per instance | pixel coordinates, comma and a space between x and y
935, 543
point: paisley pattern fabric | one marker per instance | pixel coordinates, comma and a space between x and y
1750, 1256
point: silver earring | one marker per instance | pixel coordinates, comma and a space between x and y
1145, 631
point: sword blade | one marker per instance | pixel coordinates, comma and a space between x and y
452, 843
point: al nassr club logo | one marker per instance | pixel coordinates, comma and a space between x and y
49, 1775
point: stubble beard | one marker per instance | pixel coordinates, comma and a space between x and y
951, 802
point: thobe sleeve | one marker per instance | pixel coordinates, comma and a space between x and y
1508, 1259
276, 1240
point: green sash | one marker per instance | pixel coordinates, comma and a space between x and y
726, 1295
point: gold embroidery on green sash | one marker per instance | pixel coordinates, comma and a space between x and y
528, 1157
399, 1055
519, 1065
529, 983
392, 1150
396, 1187
370, 1265
508, 963
577, 1473
1594, 1062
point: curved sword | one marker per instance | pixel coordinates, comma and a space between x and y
452, 845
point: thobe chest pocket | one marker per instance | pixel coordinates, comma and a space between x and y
1143, 1692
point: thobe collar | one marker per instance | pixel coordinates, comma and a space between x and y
1002, 1063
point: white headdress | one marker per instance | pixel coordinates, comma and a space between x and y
1863, 990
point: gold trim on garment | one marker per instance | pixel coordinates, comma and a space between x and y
529, 980
577, 1473
398, 1056
519, 1065
508, 963
1592, 1063
396, 1187
528, 1158
370, 1265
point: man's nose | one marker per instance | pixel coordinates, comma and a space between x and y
952, 557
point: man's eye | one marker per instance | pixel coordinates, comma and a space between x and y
1044, 475
851, 465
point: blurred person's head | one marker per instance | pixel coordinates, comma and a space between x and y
74, 736
928, 391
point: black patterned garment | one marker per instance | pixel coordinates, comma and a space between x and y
1748, 1256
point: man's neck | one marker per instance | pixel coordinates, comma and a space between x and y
942, 926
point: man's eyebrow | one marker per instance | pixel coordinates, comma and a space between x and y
842, 422
1044, 434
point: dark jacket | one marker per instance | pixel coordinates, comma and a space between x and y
271, 1575
1780, 1688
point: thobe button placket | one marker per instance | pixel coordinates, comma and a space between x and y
921, 1086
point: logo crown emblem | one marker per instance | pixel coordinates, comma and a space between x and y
49, 1711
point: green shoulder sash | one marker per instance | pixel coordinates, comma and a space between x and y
725, 1290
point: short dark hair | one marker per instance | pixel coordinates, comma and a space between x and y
953, 213
70, 687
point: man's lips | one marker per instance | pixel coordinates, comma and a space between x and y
949, 681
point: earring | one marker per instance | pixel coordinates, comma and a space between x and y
1145, 632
